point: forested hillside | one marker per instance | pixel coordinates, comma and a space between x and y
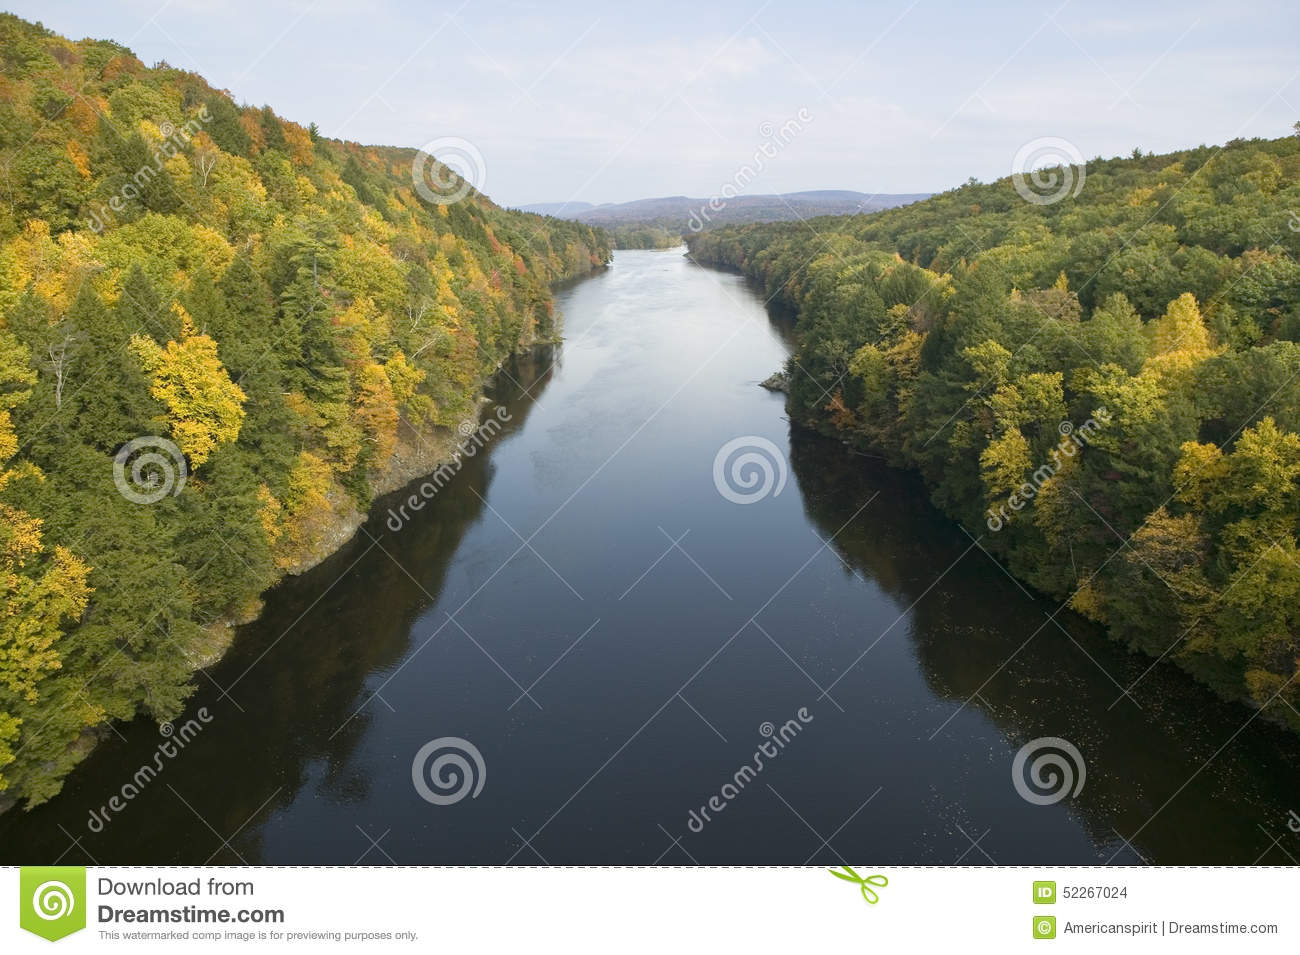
660, 223
220, 333
1104, 388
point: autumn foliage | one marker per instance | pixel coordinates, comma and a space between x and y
963, 336
280, 306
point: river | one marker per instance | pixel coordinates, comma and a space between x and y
627, 647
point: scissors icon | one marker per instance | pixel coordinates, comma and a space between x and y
865, 884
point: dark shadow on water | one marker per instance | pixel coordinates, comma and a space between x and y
943, 665
284, 699
1163, 763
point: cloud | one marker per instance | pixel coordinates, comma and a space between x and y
641, 100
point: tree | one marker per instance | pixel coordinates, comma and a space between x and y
1248, 503
205, 406
1114, 335
1179, 338
142, 310
101, 390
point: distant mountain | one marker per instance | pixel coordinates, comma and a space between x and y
681, 214
561, 210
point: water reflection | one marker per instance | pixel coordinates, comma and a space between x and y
986, 645
285, 702
651, 666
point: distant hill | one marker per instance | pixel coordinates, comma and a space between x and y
561, 210
690, 214
662, 221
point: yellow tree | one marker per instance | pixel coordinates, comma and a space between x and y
376, 411
308, 512
1004, 463
205, 406
1179, 339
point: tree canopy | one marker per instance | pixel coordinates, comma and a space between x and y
1105, 389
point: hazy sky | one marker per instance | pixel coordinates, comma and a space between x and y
611, 101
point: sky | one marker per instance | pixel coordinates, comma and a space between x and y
608, 102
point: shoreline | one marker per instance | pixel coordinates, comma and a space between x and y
779, 382
417, 455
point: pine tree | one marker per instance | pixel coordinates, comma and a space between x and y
106, 399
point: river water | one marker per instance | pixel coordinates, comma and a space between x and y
627, 648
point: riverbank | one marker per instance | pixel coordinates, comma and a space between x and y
433, 625
1087, 446
323, 517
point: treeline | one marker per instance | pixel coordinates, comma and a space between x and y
644, 237
1104, 390
219, 332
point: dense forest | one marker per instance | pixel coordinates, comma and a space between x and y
661, 223
644, 237
1101, 384
221, 334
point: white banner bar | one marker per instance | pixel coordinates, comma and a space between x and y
653, 910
